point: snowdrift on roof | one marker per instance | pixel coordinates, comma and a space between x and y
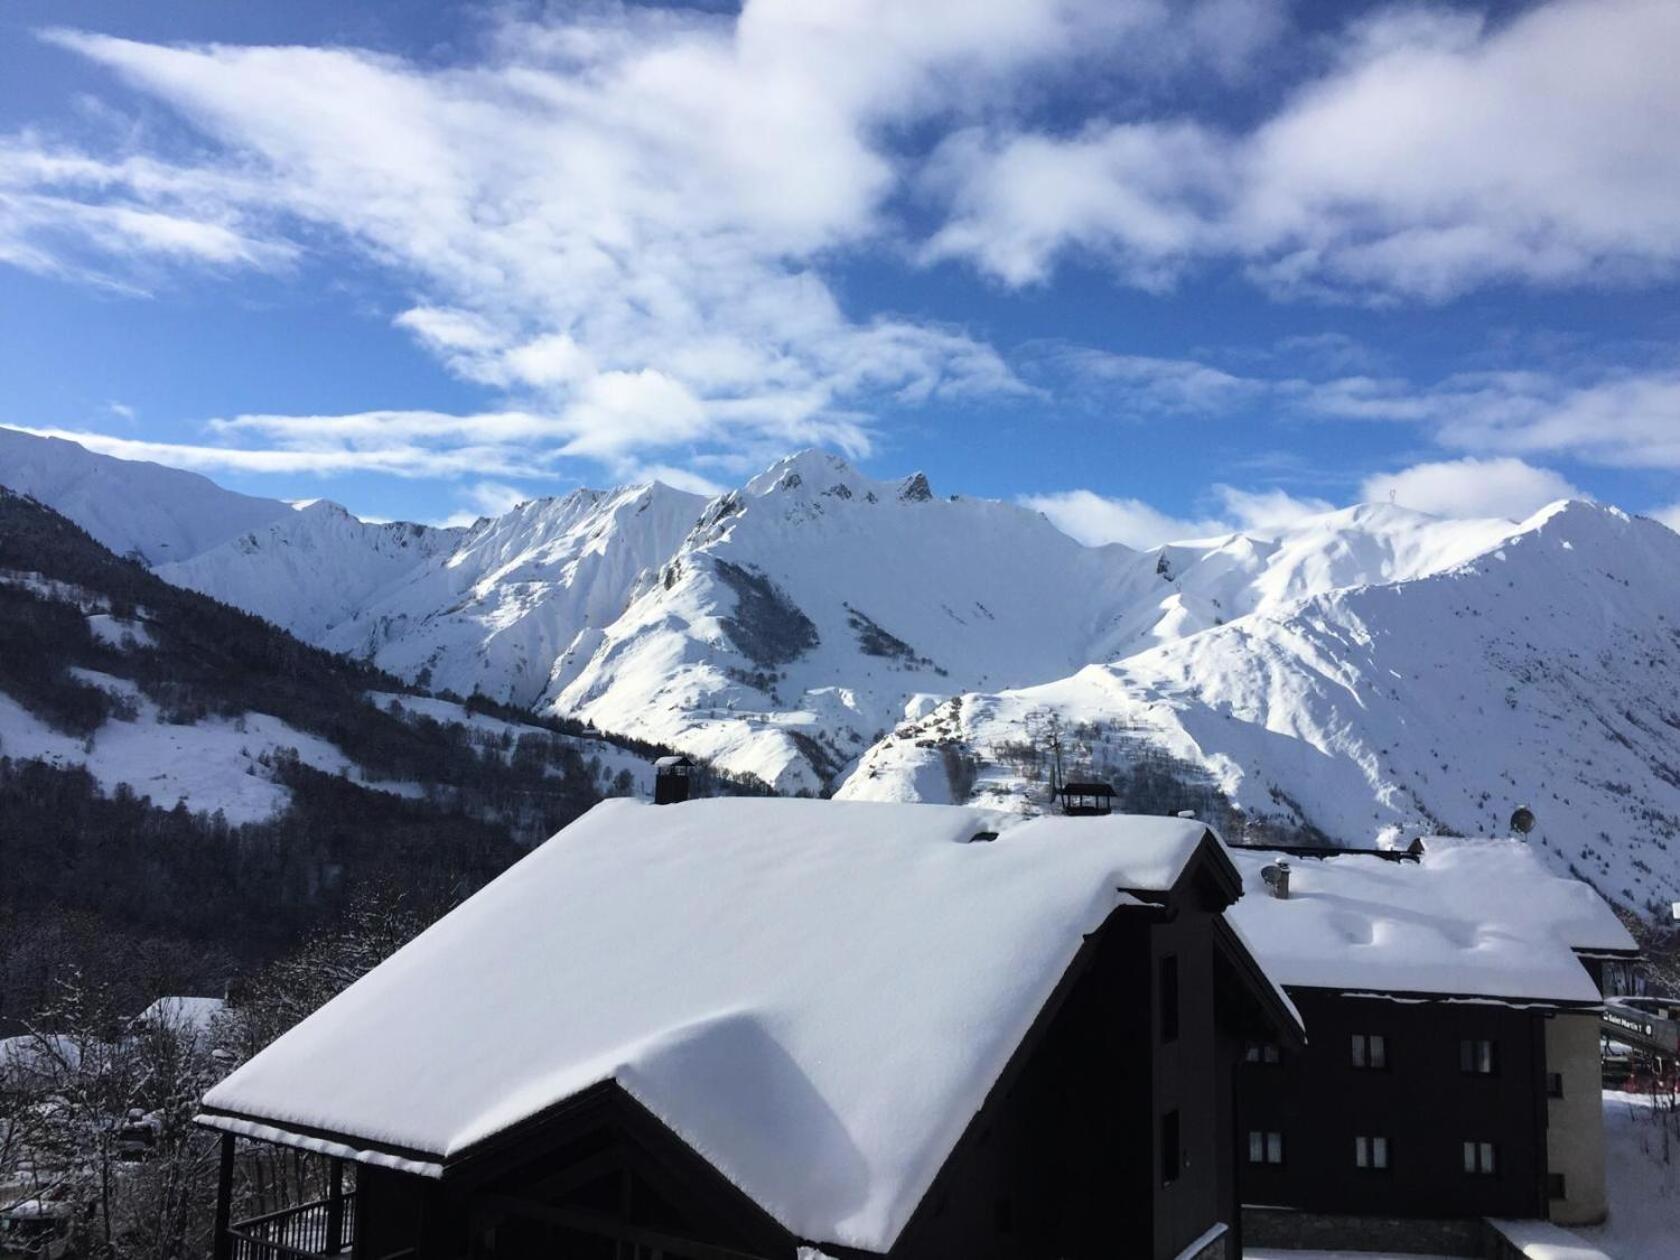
1477, 918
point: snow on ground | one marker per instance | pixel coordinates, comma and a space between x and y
1644, 1183
210, 765
825, 1041
120, 632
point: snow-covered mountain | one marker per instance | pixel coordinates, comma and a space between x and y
1544, 671
1367, 673
312, 569
136, 509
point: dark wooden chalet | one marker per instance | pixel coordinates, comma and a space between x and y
1452, 1068
751, 1027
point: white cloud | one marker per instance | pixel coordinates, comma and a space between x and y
1435, 154
1095, 520
1669, 516
1471, 487
1267, 513
618, 218
419, 453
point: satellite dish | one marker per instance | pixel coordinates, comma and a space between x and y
1522, 821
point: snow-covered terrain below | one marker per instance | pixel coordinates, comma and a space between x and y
210, 765
1642, 1175
618, 772
1365, 674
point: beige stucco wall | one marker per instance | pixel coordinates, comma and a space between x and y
1575, 1131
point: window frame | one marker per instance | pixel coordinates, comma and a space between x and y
1270, 1147
1478, 1056
1480, 1158
1368, 1052
1372, 1152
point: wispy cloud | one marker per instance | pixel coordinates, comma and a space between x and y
1613, 417
1095, 519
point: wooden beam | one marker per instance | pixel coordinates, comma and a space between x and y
222, 1243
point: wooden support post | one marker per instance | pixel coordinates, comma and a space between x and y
335, 1208
222, 1244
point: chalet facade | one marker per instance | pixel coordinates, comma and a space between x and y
748, 1028
1451, 996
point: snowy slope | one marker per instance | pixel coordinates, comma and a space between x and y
1368, 672
134, 508
806, 610
313, 568
1544, 672
494, 612
210, 765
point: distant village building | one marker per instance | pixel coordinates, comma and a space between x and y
745, 1028
1452, 999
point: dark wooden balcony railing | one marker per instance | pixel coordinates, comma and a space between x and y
326, 1227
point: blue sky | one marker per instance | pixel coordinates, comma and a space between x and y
1158, 268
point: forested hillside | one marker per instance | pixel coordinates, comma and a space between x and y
186, 791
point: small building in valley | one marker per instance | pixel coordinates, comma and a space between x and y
1451, 996
743, 1028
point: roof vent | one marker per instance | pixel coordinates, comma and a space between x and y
1277, 879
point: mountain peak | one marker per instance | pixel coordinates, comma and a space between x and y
810, 472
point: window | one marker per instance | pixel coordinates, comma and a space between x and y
1169, 998
1171, 1164
1265, 1147
1370, 1050
1477, 1057
1554, 1084
1480, 1159
1370, 1152
1261, 1052
1555, 1188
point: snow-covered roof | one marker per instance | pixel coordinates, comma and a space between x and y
1472, 917
182, 1014
816, 996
